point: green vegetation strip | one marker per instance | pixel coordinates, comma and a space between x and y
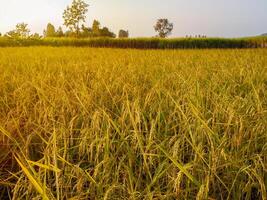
140, 43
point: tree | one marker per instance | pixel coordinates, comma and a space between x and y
95, 31
104, 32
50, 31
60, 32
69, 33
86, 32
96, 28
74, 15
12, 34
123, 34
163, 27
35, 36
21, 31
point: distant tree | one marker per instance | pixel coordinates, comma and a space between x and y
163, 27
105, 32
123, 34
21, 31
12, 34
96, 28
50, 30
95, 31
86, 32
0, 34
74, 15
60, 32
70, 33
35, 36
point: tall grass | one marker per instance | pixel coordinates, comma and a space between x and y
84, 123
141, 43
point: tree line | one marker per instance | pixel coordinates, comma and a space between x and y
74, 20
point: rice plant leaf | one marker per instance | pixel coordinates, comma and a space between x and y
48, 167
180, 167
33, 181
68, 163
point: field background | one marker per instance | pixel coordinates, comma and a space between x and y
87, 123
141, 43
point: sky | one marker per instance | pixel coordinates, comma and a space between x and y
213, 18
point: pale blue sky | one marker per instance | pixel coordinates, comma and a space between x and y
226, 18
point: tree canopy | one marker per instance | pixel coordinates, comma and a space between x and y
96, 28
163, 27
50, 30
75, 14
123, 34
21, 31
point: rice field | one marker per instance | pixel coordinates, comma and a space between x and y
96, 123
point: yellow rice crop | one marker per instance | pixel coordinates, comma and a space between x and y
85, 123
